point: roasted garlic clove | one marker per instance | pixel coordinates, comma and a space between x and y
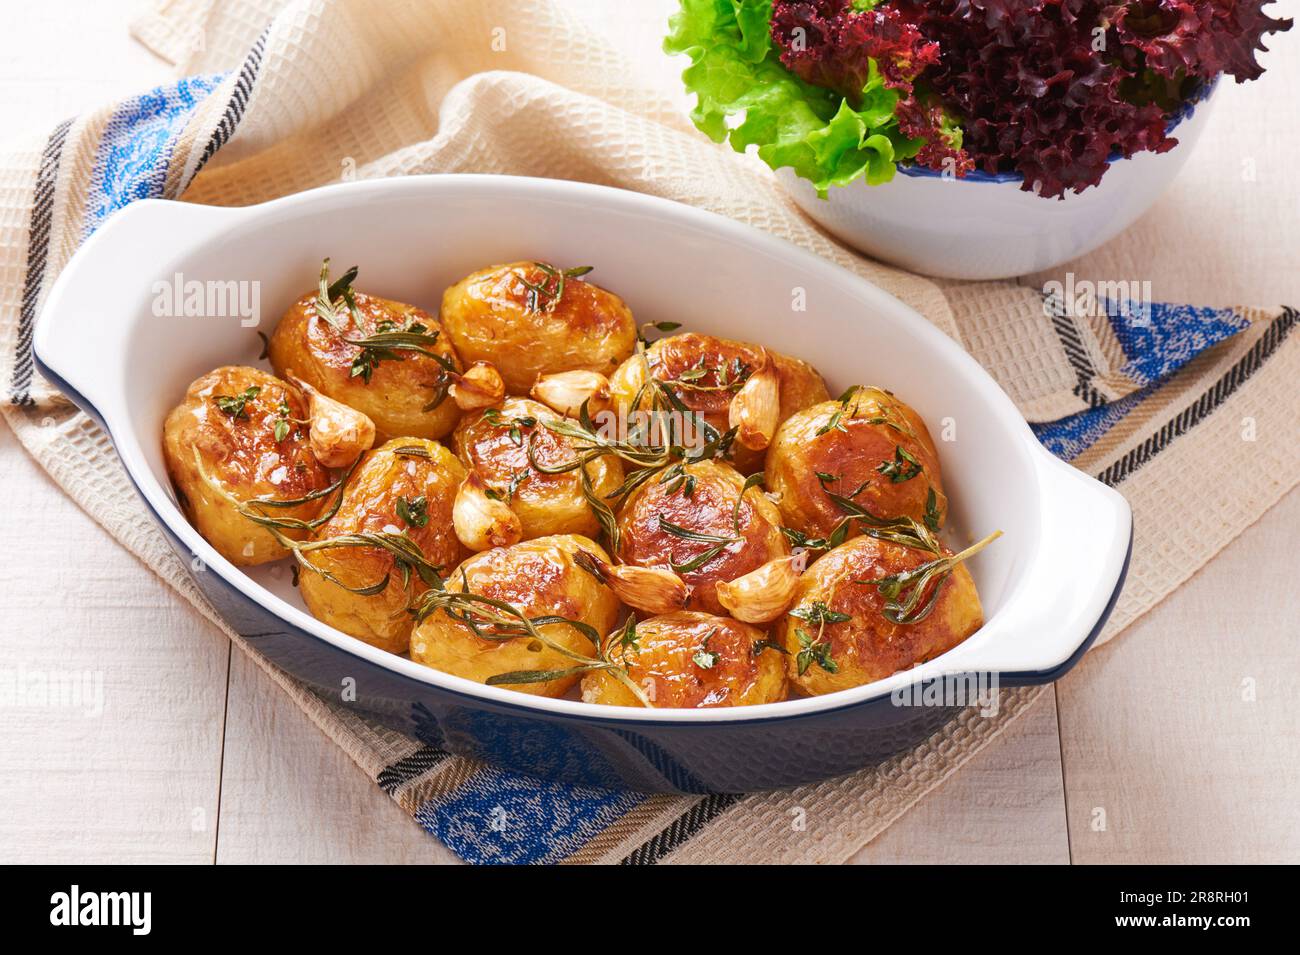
756, 409
565, 392
763, 594
480, 521
337, 433
481, 386
654, 590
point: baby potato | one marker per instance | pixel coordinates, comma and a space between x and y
690, 660
538, 577
406, 486
496, 442
229, 420
686, 520
530, 319
870, 448
828, 652
393, 393
706, 374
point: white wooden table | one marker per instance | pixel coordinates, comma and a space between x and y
1179, 742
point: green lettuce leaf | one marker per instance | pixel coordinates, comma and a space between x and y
745, 96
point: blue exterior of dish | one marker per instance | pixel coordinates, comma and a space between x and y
696, 757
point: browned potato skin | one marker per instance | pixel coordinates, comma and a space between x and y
662, 664
308, 347
369, 505
540, 578
798, 452
545, 503
668, 358
709, 510
244, 457
868, 647
487, 316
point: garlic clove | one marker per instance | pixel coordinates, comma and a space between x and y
566, 391
762, 595
481, 386
482, 522
756, 408
654, 590
337, 433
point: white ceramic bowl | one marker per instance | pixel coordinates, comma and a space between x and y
1046, 585
985, 226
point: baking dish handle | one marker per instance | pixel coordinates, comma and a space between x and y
93, 305
1071, 585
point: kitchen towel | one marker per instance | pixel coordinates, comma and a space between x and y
277, 96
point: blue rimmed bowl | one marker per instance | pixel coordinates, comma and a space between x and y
1047, 585
985, 226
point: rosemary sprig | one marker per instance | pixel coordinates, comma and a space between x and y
544, 296
911, 595
902, 468
699, 560
832, 540
498, 620
330, 295
752, 481
387, 344
898, 530
931, 516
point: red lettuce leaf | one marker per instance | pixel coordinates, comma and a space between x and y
830, 44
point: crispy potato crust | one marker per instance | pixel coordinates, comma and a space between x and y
489, 318
692, 660
370, 503
868, 647
710, 509
242, 455
306, 346
850, 443
496, 442
541, 579
706, 372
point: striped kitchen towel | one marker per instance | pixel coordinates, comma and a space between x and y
1160, 401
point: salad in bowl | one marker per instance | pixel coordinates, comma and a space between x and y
1046, 97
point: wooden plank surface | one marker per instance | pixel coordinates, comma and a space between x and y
1181, 739
133, 780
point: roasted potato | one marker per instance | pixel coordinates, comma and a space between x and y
539, 578
530, 318
690, 660
694, 521
706, 374
406, 486
393, 388
836, 632
227, 424
871, 449
496, 444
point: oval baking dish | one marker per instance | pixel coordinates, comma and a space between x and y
1047, 586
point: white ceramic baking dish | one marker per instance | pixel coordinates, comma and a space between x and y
1046, 586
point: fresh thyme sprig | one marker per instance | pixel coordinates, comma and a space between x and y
498, 620
387, 344
544, 296
236, 406
911, 595
330, 297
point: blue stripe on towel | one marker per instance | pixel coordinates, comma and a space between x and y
498, 817
1158, 339
137, 145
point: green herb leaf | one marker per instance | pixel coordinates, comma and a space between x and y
904, 467
235, 406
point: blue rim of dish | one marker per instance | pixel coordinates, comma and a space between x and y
1018, 678
1184, 112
